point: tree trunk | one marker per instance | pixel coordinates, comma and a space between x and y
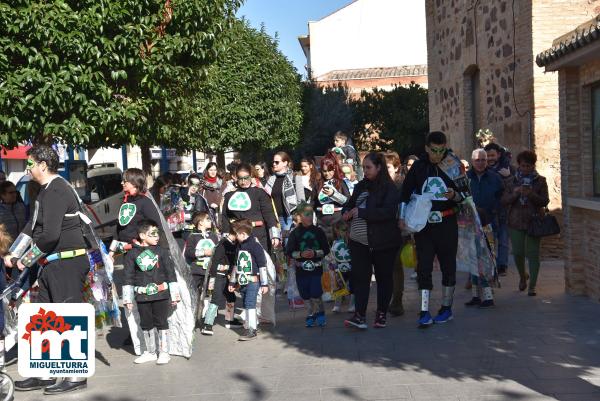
221, 159
146, 162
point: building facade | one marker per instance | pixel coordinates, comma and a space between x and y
367, 44
576, 58
482, 75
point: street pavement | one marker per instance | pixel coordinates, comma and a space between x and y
527, 348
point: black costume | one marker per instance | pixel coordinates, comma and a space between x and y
143, 209
255, 205
197, 262
58, 228
329, 208
440, 235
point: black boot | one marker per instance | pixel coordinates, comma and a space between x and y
33, 383
65, 387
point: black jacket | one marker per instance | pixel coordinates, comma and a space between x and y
197, 264
302, 238
145, 209
162, 273
415, 180
380, 213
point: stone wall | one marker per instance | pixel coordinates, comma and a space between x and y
482, 75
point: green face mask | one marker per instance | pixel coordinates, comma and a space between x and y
30, 164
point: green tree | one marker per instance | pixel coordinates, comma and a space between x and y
103, 72
392, 120
326, 111
251, 98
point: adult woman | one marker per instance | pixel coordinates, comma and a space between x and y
158, 190
281, 187
309, 180
524, 195
261, 171
374, 238
212, 187
394, 167
331, 195
12, 209
252, 203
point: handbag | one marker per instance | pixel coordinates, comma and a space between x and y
543, 224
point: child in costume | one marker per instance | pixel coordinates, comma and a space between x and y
307, 246
150, 278
347, 153
199, 248
249, 274
220, 265
340, 255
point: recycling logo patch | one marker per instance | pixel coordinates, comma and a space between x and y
239, 201
309, 241
205, 244
340, 250
435, 186
126, 213
147, 260
244, 267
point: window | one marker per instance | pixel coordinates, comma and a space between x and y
596, 138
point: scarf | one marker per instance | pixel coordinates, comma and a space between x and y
212, 184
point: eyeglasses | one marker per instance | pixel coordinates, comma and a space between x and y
244, 178
438, 151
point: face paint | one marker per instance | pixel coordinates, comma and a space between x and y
30, 164
153, 232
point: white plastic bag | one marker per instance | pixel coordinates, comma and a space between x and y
417, 212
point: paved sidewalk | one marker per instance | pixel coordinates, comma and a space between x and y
527, 348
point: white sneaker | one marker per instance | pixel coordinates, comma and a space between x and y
163, 358
336, 309
351, 308
145, 357
413, 275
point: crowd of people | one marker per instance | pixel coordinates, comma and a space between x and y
191, 246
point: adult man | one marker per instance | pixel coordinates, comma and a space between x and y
54, 232
440, 235
498, 160
486, 188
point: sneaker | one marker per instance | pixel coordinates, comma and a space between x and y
380, 320
248, 335
425, 319
475, 301
321, 320
532, 292
502, 270
413, 275
163, 358
357, 321
145, 357
234, 324
444, 315
487, 304
310, 320
336, 309
206, 330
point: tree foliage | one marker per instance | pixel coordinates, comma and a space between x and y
326, 111
103, 72
392, 120
251, 97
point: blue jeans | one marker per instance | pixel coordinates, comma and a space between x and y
249, 294
501, 234
286, 224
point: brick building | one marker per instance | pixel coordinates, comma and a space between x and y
482, 75
576, 57
367, 44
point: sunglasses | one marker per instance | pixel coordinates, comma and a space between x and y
244, 178
276, 162
438, 151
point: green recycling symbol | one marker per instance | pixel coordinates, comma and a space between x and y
341, 252
244, 267
147, 260
309, 241
239, 201
205, 244
126, 213
435, 186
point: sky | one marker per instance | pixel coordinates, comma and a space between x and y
289, 18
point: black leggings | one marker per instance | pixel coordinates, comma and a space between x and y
441, 240
364, 261
221, 294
